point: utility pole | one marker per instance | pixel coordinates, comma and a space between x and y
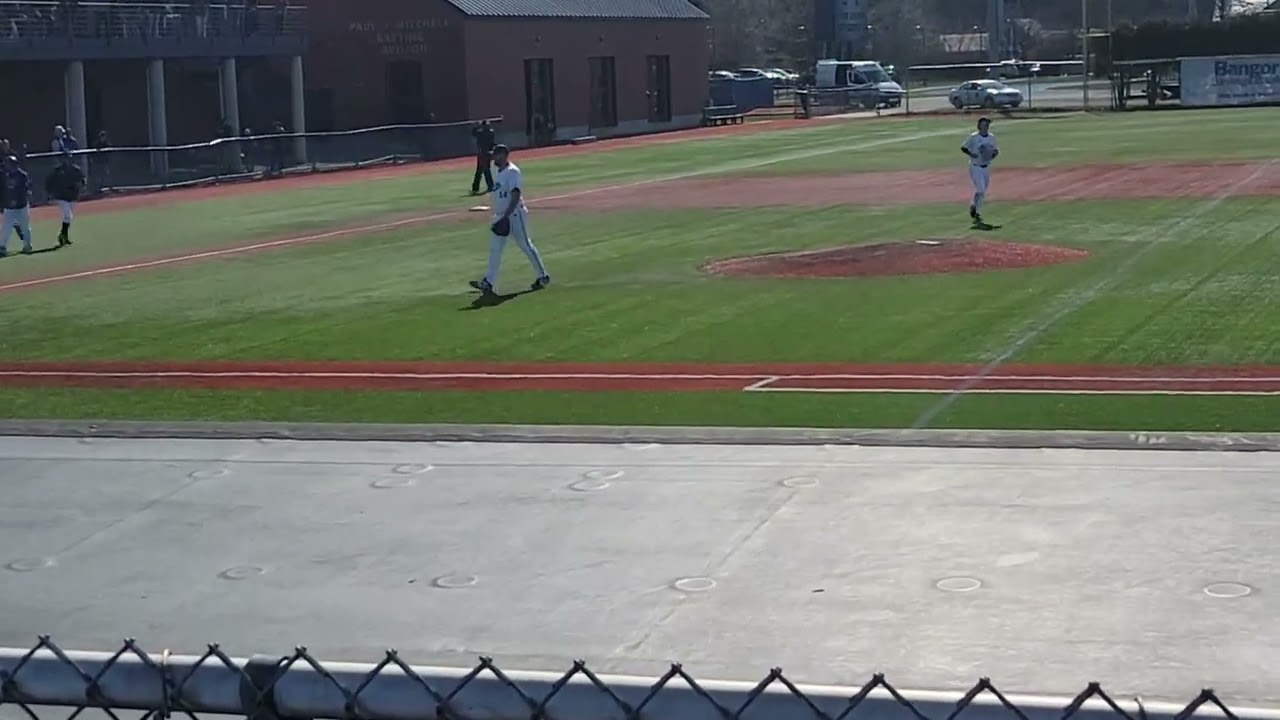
1084, 47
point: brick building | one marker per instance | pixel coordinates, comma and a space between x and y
147, 73
573, 67
153, 74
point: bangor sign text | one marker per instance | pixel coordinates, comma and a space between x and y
1240, 80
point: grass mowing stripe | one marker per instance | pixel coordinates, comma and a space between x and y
1075, 301
824, 148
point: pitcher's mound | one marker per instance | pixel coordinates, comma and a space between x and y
912, 257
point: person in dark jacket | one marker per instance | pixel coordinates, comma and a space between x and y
15, 196
483, 133
64, 185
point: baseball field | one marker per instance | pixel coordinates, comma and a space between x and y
774, 274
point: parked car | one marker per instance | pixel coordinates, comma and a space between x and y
720, 75
985, 94
1014, 69
782, 77
750, 73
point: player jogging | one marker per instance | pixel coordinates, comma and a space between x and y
64, 185
15, 187
981, 149
510, 219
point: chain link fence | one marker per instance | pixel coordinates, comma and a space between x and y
298, 685
142, 169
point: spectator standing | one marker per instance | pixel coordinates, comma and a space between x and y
200, 17
278, 130
15, 196
483, 133
63, 141
102, 160
247, 149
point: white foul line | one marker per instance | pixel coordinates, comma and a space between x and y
825, 148
756, 383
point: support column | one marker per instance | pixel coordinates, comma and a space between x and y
298, 104
76, 122
157, 117
229, 86
232, 153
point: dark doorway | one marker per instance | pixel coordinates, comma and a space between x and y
540, 99
94, 117
404, 92
319, 107
659, 88
604, 93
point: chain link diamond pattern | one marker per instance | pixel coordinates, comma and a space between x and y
175, 696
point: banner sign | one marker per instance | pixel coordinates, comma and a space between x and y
1235, 80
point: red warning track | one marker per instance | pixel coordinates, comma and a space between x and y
633, 377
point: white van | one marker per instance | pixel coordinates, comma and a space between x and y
858, 73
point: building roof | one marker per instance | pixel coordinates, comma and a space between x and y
575, 9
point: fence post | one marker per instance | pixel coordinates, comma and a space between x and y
257, 687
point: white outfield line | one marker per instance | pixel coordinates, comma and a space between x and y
824, 148
756, 383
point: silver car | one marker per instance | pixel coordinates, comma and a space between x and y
985, 94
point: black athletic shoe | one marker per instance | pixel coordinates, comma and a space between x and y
483, 286
541, 283
973, 212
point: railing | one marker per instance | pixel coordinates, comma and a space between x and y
301, 687
135, 169
30, 23
816, 102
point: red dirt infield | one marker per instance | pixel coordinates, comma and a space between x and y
917, 257
643, 377
911, 187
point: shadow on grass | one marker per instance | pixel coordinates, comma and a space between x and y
41, 251
985, 227
488, 300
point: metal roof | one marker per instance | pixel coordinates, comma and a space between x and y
574, 9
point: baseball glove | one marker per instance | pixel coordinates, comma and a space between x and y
502, 227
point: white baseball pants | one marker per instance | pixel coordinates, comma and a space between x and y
64, 207
20, 219
981, 178
519, 233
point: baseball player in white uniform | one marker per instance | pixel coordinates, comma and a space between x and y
509, 215
981, 149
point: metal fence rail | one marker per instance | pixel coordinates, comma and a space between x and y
300, 686
133, 169
31, 22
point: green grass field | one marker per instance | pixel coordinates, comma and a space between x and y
1169, 282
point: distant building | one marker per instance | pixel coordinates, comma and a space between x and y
841, 29
564, 67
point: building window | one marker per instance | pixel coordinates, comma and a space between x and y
604, 93
659, 88
540, 99
405, 92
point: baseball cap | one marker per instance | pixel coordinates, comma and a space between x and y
500, 148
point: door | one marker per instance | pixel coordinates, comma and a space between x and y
540, 99
659, 91
407, 102
319, 106
603, 93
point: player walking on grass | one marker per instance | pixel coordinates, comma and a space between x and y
15, 197
510, 219
981, 149
64, 185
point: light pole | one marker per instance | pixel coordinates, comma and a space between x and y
1084, 47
